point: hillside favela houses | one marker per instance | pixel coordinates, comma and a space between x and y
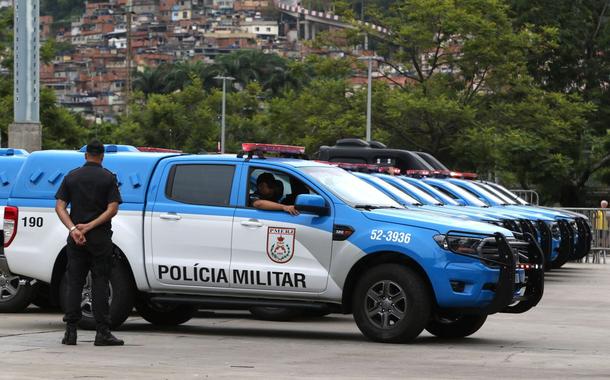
89, 75
90, 71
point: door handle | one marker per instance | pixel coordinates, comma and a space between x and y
251, 223
170, 216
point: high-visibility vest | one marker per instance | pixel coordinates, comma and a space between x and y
601, 220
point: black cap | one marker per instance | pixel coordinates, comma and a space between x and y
95, 147
266, 178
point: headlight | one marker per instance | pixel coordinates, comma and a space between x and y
485, 248
459, 244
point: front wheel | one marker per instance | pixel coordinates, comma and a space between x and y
459, 326
391, 304
165, 314
121, 299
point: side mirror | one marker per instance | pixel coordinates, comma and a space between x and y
311, 203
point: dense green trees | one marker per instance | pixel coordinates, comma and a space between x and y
516, 90
485, 97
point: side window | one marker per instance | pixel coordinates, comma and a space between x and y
200, 184
274, 186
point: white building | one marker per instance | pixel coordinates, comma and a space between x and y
262, 29
222, 4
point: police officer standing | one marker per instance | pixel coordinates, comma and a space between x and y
93, 194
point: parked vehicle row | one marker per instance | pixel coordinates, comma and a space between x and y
562, 235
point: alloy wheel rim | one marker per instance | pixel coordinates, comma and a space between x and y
86, 304
9, 286
386, 304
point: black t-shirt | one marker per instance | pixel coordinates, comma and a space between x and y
89, 189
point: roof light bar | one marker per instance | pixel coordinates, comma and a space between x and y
440, 174
367, 168
150, 149
272, 148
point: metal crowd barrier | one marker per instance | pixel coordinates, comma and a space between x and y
599, 220
530, 196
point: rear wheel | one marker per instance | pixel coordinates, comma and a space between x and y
121, 299
391, 304
14, 298
455, 326
165, 314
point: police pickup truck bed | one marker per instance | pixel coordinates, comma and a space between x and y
187, 236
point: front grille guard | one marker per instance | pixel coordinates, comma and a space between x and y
512, 225
533, 265
546, 240
525, 255
528, 227
583, 245
566, 246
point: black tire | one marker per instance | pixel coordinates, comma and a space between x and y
122, 298
165, 314
391, 304
42, 298
277, 314
14, 298
453, 327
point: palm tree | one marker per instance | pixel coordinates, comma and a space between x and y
150, 80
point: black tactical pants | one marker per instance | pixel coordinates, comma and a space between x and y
94, 256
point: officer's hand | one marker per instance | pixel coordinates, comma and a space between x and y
78, 236
291, 210
84, 228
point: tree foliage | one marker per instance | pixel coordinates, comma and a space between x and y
512, 89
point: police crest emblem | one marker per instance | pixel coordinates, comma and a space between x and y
280, 244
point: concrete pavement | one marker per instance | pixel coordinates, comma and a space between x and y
566, 336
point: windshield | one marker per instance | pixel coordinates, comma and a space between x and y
349, 188
497, 193
486, 194
420, 194
509, 194
400, 195
461, 193
432, 191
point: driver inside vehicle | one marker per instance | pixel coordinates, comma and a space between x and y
268, 194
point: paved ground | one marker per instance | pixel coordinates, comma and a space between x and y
567, 336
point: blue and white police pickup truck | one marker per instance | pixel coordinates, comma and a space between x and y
187, 236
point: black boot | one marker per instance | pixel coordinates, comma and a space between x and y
69, 336
105, 338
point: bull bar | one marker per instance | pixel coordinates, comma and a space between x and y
509, 256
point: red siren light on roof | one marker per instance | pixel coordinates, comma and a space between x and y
157, 150
418, 173
367, 168
272, 148
441, 174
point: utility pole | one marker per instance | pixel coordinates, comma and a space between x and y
128, 84
224, 107
370, 60
366, 35
25, 132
